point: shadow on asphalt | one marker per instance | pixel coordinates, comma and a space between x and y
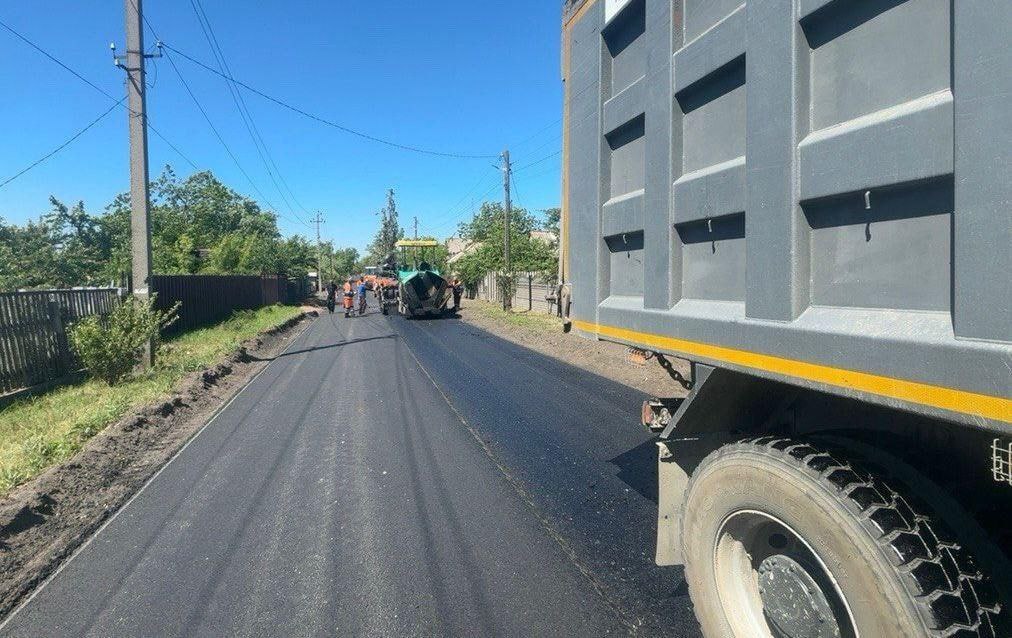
443, 317
637, 468
339, 344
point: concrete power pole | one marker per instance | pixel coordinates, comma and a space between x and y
140, 219
319, 251
507, 171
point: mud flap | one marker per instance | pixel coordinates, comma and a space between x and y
676, 461
671, 482
720, 401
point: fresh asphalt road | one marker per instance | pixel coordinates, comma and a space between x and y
392, 478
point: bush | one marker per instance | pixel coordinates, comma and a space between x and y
110, 347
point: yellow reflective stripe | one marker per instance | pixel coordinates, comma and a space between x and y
579, 13
983, 405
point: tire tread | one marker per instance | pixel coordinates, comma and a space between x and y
948, 589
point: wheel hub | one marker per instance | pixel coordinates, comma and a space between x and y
793, 603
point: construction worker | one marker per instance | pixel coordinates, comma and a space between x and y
331, 297
362, 288
349, 297
457, 286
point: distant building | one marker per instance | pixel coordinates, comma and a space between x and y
544, 235
456, 245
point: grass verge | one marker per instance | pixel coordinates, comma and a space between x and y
44, 430
530, 320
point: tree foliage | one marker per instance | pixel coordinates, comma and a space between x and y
486, 231
553, 220
338, 263
111, 346
198, 225
383, 245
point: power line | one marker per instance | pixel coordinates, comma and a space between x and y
62, 146
322, 120
496, 186
536, 162
221, 139
455, 209
54, 59
240, 103
97, 88
513, 181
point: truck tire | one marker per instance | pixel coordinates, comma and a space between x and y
783, 538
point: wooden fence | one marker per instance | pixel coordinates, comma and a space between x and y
34, 348
33, 337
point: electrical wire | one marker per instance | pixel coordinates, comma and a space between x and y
207, 119
479, 198
54, 59
244, 113
516, 191
536, 162
322, 120
218, 135
99, 89
62, 146
455, 209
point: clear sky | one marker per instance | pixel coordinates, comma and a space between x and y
463, 77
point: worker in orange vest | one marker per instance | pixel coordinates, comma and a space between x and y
349, 297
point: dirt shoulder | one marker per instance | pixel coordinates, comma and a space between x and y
544, 334
43, 521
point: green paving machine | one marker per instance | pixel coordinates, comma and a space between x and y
423, 291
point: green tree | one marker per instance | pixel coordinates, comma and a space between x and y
345, 262
435, 256
28, 256
486, 230
553, 220
190, 219
384, 243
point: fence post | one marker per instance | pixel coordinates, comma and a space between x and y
530, 292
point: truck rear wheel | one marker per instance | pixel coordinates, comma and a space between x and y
784, 539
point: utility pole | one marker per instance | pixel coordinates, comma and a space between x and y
507, 171
319, 251
140, 219
416, 228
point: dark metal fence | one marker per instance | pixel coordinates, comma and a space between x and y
205, 299
33, 336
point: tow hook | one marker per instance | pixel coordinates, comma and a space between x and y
657, 413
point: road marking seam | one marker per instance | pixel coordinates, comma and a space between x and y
525, 497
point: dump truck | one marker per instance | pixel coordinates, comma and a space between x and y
811, 202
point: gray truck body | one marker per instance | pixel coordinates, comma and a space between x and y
817, 192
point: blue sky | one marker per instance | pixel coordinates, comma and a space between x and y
468, 77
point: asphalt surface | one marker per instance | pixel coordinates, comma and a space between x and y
388, 477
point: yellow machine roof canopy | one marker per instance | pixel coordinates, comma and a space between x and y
417, 243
